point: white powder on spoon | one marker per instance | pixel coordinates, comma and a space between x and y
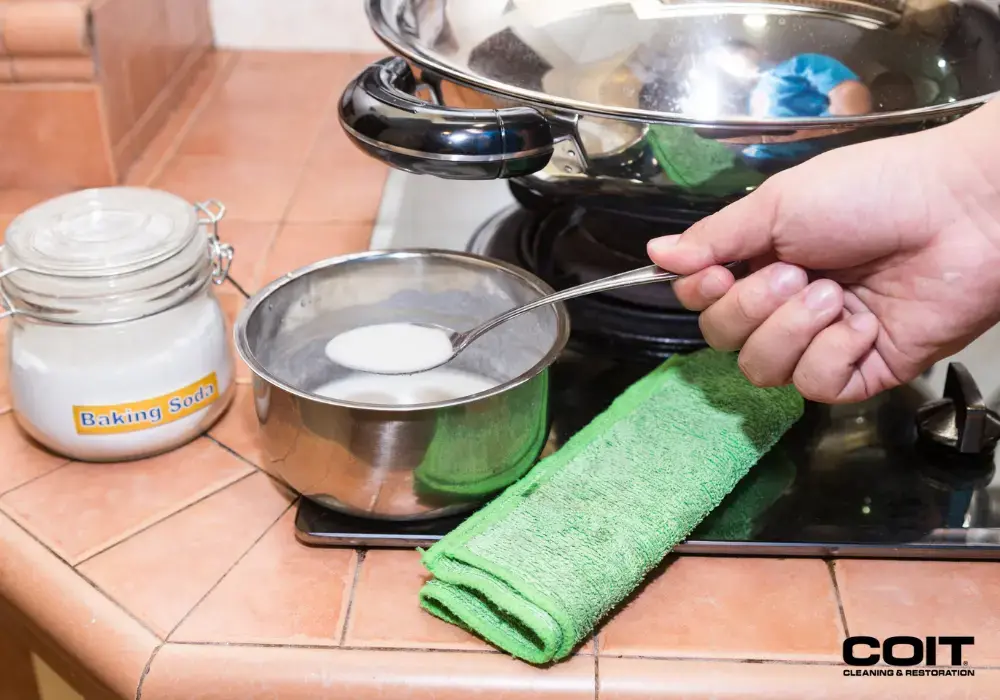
391, 348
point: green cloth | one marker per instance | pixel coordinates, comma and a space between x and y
737, 518
537, 568
699, 165
480, 452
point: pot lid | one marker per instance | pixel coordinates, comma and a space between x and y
711, 62
100, 232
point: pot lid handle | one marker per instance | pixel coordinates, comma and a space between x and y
385, 119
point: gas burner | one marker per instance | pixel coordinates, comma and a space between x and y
570, 245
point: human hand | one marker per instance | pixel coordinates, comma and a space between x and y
868, 263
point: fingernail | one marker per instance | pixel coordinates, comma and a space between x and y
821, 295
862, 322
662, 245
786, 280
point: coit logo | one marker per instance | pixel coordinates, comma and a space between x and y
906, 651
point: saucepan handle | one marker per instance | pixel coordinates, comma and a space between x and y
380, 113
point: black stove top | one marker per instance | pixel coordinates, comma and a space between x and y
568, 245
905, 474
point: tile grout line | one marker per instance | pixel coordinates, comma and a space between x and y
350, 600
143, 529
146, 670
35, 478
86, 580
597, 666
229, 570
831, 567
229, 449
493, 652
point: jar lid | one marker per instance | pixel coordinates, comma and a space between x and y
101, 232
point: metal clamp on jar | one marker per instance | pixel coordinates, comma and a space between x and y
118, 346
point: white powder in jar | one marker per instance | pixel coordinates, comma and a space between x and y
117, 346
120, 391
391, 348
406, 389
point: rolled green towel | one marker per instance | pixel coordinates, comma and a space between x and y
539, 566
738, 517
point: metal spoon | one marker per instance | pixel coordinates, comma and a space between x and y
460, 340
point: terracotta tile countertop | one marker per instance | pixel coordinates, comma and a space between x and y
179, 577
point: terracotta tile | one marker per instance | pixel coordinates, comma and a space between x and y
238, 429
4, 381
232, 131
887, 598
147, 55
189, 672
48, 69
82, 509
339, 192
386, 613
306, 82
660, 679
16, 201
21, 458
128, 149
301, 244
251, 242
111, 22
251, 191
5, 220
45, 28
160, 574
232, 304
281, 593
53, 136
70, 619
731, 608
211, 72
187, 21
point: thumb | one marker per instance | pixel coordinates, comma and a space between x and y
743, 230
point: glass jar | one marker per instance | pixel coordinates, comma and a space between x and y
117, 345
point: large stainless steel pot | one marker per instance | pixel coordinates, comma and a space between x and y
654, 96
378, 460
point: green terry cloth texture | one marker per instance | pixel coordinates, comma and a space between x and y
699, 165
537, 568
737, 518
478, 453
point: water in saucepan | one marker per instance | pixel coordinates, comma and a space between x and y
439, 384
391, 348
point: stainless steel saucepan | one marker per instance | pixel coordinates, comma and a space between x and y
364, 454
707, 98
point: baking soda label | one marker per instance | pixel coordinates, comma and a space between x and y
146, 414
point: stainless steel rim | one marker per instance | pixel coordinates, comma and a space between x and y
242, 346
395, 43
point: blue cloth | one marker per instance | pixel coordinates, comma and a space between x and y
798, 88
